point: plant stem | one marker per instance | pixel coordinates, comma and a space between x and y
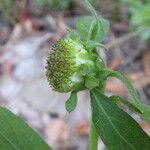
93, 139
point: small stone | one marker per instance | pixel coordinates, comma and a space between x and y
22, 109
24, 49
29, 69
9, 88
45, 118
41, 97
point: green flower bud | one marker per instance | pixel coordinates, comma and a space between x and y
64, 65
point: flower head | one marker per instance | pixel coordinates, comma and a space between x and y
64, 65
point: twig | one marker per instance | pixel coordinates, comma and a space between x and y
123, 39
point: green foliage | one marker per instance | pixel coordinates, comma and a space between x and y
71, 103
121, 101
54, 4
91, 29
140, 19
93, 44
6, 8
105, 74
146, 113
91, 82
17, 135
116, 128
135, 104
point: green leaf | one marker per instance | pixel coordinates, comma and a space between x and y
141, 17
85, 69
17, 135
73, 35
91, 29
71, 103
146, 113
91, 82
97, 29
92, 45
104, 74
121, 101
100, 64
83, 25
144, 109
118, 130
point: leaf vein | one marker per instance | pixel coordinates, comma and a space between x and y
103, 110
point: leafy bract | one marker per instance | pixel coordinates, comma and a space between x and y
71, 103
135, 101
90, 45
118, 130
17, 135
91, 29
121, 101
145, 114
91, 82
104, 74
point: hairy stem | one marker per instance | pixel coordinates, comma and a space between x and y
93, 139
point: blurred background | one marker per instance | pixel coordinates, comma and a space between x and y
27, 30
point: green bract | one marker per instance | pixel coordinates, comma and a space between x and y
65, 64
